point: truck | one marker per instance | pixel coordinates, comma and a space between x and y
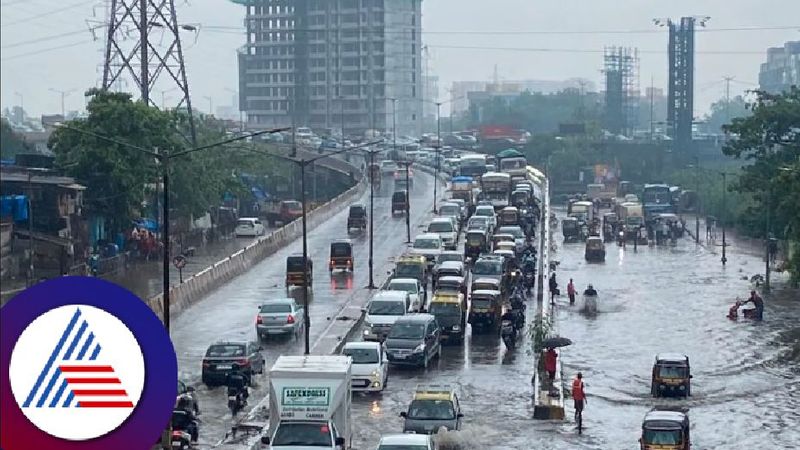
309, 403
512, 162
605, 194
631, 217
283, 211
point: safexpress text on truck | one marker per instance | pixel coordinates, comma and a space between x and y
309, 403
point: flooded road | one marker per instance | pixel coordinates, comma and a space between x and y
745, 390
229, 312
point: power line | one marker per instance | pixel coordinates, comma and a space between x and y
45, 50
379, 29
583, 50
45, 38
48, 13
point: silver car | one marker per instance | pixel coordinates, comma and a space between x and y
280, 316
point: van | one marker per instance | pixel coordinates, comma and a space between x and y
414, 339
383, 310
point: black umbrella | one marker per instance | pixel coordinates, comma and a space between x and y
556, 341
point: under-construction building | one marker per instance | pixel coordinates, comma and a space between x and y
332, 64
621, 68
680, 102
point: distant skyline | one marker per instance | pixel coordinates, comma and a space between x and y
46, 44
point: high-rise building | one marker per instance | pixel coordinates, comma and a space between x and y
782, 69
328, 63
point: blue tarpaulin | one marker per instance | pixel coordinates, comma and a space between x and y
15, 206
462, 179
147, 224
259, 194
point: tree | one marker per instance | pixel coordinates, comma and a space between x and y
11, 143
770, 140
117, 176
723, 110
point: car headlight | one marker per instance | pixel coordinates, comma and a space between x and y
366, 332
419, 348
375, 374
683, 388
456, 328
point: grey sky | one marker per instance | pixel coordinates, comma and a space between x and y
32, 69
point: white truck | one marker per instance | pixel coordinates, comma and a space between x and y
309, 403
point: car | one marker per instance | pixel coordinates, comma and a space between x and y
433, 406
222, 355
415, 339
516, 231
463, 204
479, 223
444, 227
280, 316
383, 310
388, 167
451, 209
447, 255
490, 267
486, 211
415, 291
249, 226
429, 245
370, 369
407, 442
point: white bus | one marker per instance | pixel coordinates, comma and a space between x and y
496, 187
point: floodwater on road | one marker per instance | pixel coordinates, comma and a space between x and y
745, 390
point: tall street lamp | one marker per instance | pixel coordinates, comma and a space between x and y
164, 158
303, 162
438, 151
63, 94
724, 259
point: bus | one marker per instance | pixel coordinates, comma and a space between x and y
472, 165
656, 199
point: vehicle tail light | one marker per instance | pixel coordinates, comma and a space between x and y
331, 262
243, 362
259, 320
349, 262
206, 363
290, 319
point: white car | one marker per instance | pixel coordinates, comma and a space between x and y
407, 442
444, 227
479, 223
383, 311
249, 226
414, 289
428, 245
388, 167
370, 369
486, 211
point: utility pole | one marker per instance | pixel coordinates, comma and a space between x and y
210, 104
697, 190
652, 95
767, 240
725, 214
728, 99
438, 152
63, 94
31, 274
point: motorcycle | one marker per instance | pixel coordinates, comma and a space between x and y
621, 239
508, 331
236, 401
529, 280
184, 430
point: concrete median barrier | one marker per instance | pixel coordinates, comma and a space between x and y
205, 281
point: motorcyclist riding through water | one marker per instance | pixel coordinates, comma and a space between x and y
237, 382
590, 291
188, 420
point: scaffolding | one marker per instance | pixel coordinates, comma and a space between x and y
621, 69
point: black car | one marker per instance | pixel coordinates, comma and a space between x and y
415, 339
399, 202
221, 356
357, 217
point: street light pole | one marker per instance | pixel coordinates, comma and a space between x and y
725, 212
438, 152
63, 94
697, 190
341, 114
371, 214
306, 318
767, 240
408, 203
164, 159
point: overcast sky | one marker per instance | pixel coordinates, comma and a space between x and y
31, 65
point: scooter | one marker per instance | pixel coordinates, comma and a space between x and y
236, 401
508, 331
184, 430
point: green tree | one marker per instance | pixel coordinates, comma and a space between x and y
722, 110
11, 143
770, 140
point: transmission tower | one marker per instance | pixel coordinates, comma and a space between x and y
130, 49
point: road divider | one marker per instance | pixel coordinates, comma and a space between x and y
207, 280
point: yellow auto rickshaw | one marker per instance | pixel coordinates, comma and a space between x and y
297, 273
450, 310
341, 255
485, 309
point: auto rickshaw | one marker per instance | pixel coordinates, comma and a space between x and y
519, 198
487, 284
506, 245
508, 216
399, 202
341, 255
671, 376
595, 249
610, 226
451, 283
412, 266
450, 310
570, 229
665, 428
475, 244
296, 271
485, 309
357, 217
510, 258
